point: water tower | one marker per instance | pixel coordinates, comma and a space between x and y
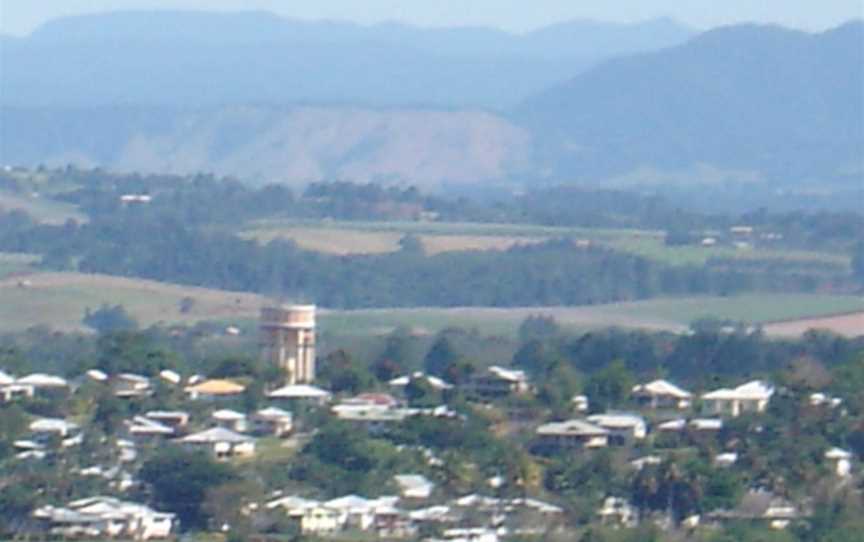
288, 340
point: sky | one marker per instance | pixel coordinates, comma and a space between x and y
19, 17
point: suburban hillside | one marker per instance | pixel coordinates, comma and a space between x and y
766, 102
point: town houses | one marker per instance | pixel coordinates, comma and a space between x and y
403, 439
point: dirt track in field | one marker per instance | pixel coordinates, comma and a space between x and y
847, 325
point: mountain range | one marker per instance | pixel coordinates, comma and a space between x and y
269, 99
209, 59
772, 103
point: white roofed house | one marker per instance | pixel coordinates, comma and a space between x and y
360, 513
374, 418
131, 385
272, 421
498, 382
172, 418
46, 428
230, 419
105, 517
41, 383
616, 510
414, 486
311, 516
572, 435
840, 460
750, 397
222, 443
662, 394
433, 381
622, 427
301, 393
10, 389
142, 428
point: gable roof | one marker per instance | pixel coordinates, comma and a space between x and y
433, 381
228, 415
52, 425
299, 391
293, 502
216, 434
273, 413
755, 390
571, 428
217, 387
41, 380
662, 387
508, 374
143, 425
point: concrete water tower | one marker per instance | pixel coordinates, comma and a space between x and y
288, 340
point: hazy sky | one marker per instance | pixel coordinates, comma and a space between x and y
22, 16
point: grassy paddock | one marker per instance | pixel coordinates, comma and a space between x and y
60, 299
42, 209
672, 314
346, 237
656, 249
11, 263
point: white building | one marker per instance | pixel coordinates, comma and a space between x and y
414, 486
498, 382
222, 443
662, 394
230, 419
750, 397
106, 517
572, 434
622, 427
311, 516
433, 381
301, 393
272, 421
841, 461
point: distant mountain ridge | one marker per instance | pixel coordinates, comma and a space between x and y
747, 103
781, 104
204, 59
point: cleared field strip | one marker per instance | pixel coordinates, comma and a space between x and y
343, 237
59, 300
339, 241
42, 209
454, 228
661, 314
337, 237
11, 263
656, 249
848, 325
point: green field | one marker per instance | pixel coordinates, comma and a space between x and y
16, 263
654, 248
673, 314
60, 299
344, 237
42, 209
452, 228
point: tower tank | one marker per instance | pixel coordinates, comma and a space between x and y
288, 340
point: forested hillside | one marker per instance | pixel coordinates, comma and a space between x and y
766, 103
187, 231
